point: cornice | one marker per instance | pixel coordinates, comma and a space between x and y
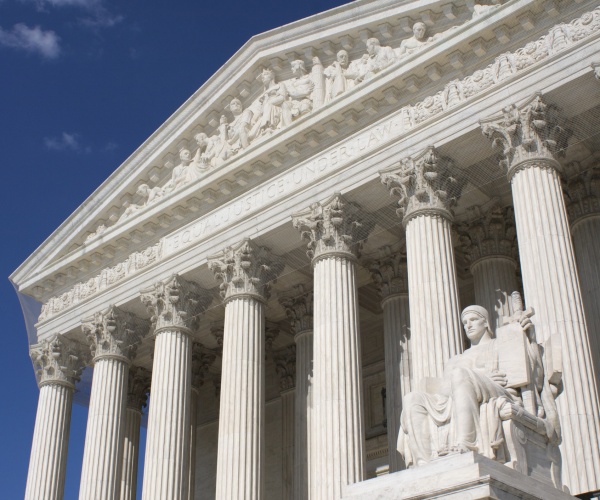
139, 167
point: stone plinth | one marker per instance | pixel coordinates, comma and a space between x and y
458, 477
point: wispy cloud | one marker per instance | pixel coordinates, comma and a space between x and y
101, 19
99, 16
64, 142
36, 40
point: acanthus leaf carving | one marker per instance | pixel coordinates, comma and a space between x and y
285, 365
334, 226
390, 272
425, 184
533, 130
175, 303
583, 194
245, 269
202, 360
58, 360
138, 387
488, 234
114, 333
298, 306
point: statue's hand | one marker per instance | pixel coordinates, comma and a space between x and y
525, 322
499, 378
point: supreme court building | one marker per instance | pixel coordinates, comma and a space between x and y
288, 255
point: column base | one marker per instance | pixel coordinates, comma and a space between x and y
468, 475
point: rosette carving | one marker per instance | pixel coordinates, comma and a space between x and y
58, 360
424, 185
531, 131
245, 269
175, 303
488, 234
299, 309
389, 272
115, 333
334, 226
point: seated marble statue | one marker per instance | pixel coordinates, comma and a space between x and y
238, 129
379, 58
464, 411
300, 89
270, 111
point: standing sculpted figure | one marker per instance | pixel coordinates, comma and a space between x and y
338, 81
465, 409
300, 89
239, 128
415, 42
268, 109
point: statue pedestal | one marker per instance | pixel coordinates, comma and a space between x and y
466, 476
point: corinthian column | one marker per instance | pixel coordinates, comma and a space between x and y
245, 271
583, 207
299, 310
428, 193
175, 305
137, 394
58, 363
202, 360
532, 137
390, 275
285, 364
489, 242
114, 336
336, 230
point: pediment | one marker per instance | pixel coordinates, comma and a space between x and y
212, 150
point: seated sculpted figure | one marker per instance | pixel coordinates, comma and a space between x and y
465, 410
300, 89
268, 109
238, 129
379, 58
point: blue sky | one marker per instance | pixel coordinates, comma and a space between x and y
82, 84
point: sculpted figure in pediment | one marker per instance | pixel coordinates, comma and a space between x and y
415, 42
239, 129
300, 89
379, 58
480, 9
339, 76
182, 174
500, 381
271, 110
150, 195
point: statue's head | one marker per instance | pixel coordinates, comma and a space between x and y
201, 138
143, 190
185, 154
267, 76
298, 67
373, 46
342, 57
476, 322
235, 106
419, 30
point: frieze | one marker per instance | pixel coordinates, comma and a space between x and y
454, 93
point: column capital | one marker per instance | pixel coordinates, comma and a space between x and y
272, 331
138, 387
390, 272
58, 360
528, 133
202, 360
488, 233
425, 185
336, 226
285, 364
298, 306
175, 303
245, 269
582, 192
114, 333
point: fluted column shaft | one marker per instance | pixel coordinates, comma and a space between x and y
396, 322
48, 462
551, 286
304, 411
240, 460
287, 432
586, 242
166, 474
337, 449
131, 450
101, 468
495, 278
192, 461
433, 291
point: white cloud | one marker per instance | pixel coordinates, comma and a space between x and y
102, 19
22, 37
62, 143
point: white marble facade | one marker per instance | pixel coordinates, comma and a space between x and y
282, 267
